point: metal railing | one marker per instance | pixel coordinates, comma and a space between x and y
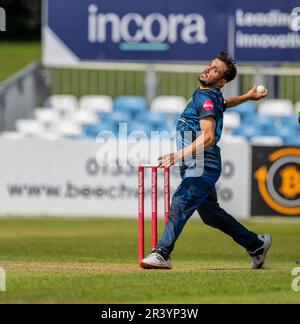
29, 88
21, 93
150, 80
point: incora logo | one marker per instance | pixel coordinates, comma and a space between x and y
154, 28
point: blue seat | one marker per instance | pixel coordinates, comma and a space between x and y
92, 130
290, 138
137, 129
116, 117
133, 105
291, 122
288, 134
175, 119
172, 122
267, 124
156, 121
248, 131
292, 141
246, 109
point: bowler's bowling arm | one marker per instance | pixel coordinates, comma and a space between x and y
204, 141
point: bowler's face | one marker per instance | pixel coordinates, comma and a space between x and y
213, 72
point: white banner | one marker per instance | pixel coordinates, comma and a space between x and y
234, 186
62, 178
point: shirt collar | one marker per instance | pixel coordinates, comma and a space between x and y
210, 88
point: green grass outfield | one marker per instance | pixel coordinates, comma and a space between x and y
95, 261
16, 55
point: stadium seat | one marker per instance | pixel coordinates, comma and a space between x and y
292, 141
248, 131
175, 119
116, 117
63, 104
172, 122
138, 130
266, 124
232, 120
245, 110
168, 104
12, 135
93, 130
288, 134
67, 129
231, 139
291, 122
46, 116
276, 108
96, 104
266, 141
133, 105
156, 121
83, 117
49, 136
29, 127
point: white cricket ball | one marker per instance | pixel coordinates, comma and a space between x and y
261, 89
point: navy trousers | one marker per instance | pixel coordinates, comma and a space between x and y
199, 193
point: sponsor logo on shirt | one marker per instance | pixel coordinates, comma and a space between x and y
208, 105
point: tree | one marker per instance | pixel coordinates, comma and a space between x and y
23, 19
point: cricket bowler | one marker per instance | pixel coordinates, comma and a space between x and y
204, 115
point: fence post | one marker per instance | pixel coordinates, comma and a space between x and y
2, 115
151, 82
2, 20
21, 93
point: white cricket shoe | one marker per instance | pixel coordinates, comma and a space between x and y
259, 256
156, 261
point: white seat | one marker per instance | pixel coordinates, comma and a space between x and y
62, 104
230, 139
266, 141
12, 135
29, 127
276, 108
96, 104
83, 117
231, 121
50, 136
66, 129
168, 104
46, 116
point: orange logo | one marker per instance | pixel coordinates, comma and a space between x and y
290, 185
280, 185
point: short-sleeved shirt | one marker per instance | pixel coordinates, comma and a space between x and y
205, 102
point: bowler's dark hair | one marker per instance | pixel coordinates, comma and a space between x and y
230, 62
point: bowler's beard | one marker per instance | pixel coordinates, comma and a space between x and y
203, 83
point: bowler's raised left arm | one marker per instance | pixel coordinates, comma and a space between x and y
252, 94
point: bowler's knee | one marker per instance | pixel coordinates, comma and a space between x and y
205, 217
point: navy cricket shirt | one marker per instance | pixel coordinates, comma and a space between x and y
205, 102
